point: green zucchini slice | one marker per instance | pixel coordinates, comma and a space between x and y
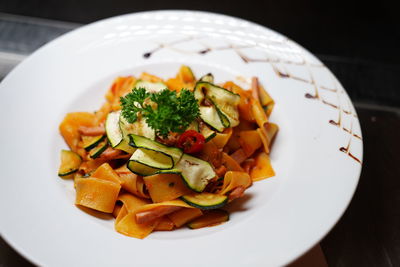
205, 201
207, 132
153, 159
224, 104
196, 173
207, 78
114, 134
139, 127
70, 162
97, 150
140, 169
142, 142
90, 142
209, 115
151, 87
203, 129
118, 129
211, 218
194, 126
224, 119
113, 131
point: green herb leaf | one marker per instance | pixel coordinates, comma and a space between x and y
133, 103
166, 111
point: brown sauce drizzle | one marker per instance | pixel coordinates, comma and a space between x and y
147, 55
346, 150
334, 122
310, 96
281, 74
330, 104
205, 51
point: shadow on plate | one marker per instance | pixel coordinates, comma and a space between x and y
97, 214
239, 205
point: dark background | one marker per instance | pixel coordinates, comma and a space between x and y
356, 30
361, 35
360, 43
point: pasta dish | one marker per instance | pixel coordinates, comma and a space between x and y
162, 154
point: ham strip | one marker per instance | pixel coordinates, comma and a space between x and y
255, 88
111, 153
91, 131
236, 193
239, 156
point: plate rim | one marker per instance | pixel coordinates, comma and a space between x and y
31, 258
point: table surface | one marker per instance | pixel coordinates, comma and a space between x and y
368, 233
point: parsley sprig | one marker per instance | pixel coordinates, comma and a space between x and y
164, 111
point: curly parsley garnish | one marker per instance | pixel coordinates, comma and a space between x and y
164, 111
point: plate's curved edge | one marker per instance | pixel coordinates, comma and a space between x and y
32, 259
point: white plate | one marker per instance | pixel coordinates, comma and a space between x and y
316, 155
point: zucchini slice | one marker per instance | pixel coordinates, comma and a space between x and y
206, 201
96, 151
224, 101
114, 134
207, 132
139, 127
203, 129
196, 173
153, 159
207, 78
140, 169
113, 131
118, 129
211, 218
70, 162
210, 116
142, 142
194, 126
90, 142
151, 87
224, 119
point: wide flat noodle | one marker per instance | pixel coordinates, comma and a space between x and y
151, 212
91, 165
105, 172
250, 141
221, 139
141, 189
125, 222
131, 202
96, 194
230, 163
184, 216
235, 179
174, 203
165, 186
263, 168
69, 127
120, 87
128, 226
132, 182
